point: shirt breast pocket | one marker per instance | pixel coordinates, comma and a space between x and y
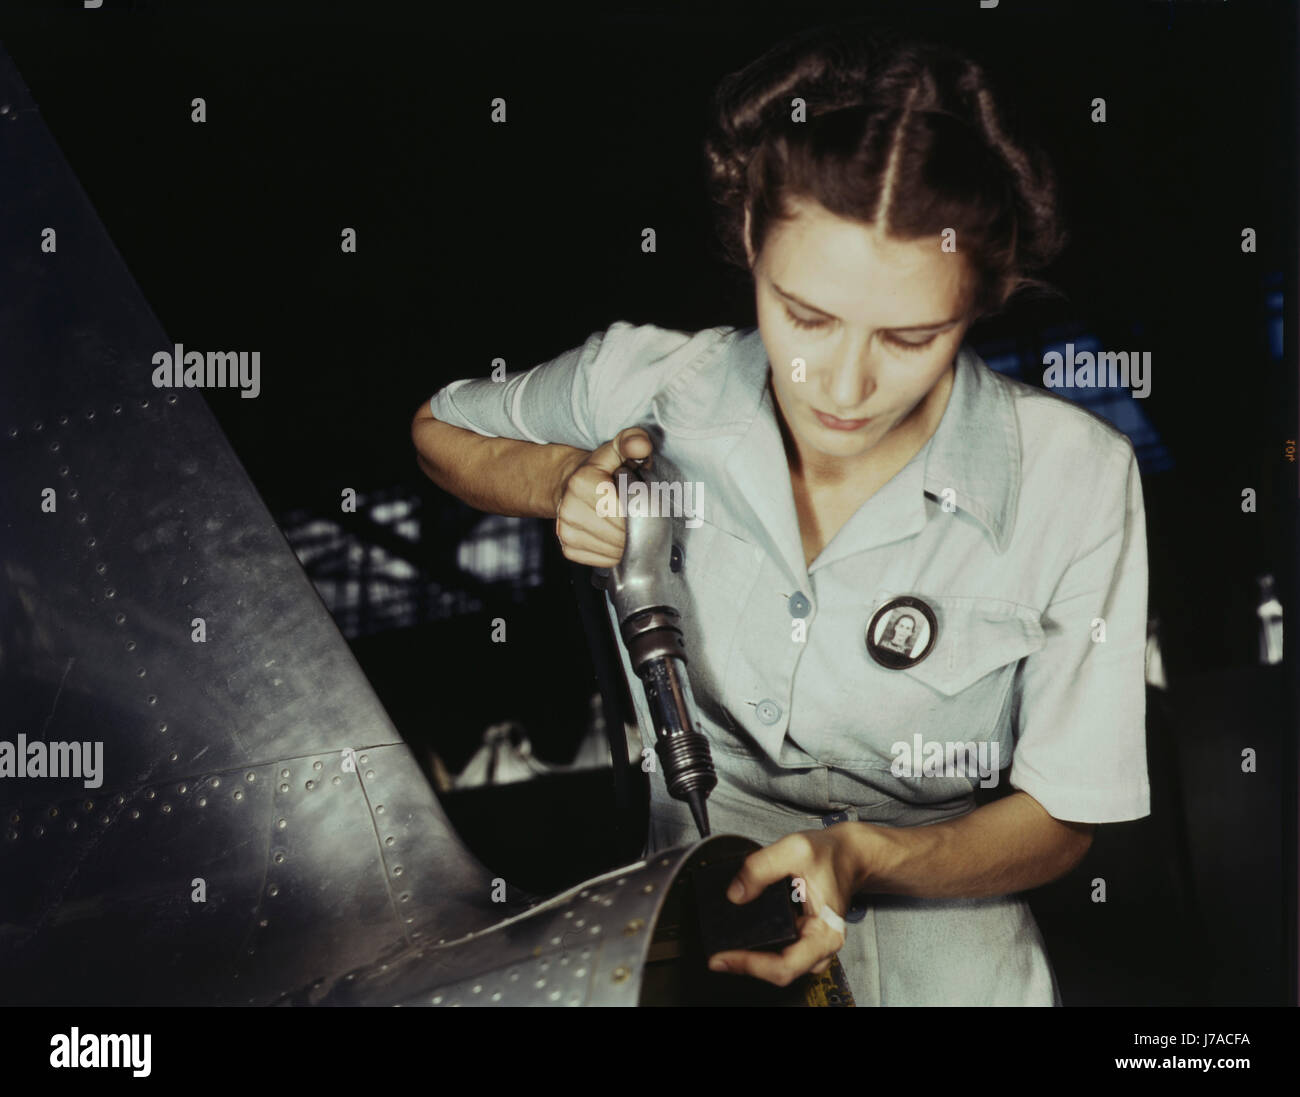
954, 696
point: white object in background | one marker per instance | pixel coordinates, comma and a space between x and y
1270, 622
1154, 659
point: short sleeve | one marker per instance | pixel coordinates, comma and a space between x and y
583, 398
1081, 722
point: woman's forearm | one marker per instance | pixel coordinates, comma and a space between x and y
1010, 845
497, 475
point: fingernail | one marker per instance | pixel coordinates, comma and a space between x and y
736, 892
718, 965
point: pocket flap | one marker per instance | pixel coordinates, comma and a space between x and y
976, 637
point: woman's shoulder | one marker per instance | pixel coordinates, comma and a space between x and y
1053, 428
697, 379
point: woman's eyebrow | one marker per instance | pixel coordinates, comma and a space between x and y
822, 312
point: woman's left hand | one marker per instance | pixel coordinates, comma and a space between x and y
827, 862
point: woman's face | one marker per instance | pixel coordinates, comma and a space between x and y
877, 323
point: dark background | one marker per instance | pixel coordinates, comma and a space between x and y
478, 241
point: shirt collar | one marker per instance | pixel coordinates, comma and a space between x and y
975, 451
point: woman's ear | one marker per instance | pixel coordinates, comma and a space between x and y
749, 250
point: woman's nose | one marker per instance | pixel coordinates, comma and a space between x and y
853, 379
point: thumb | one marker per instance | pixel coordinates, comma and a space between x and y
630, 444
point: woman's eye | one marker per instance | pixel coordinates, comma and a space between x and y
903, 344
799, 321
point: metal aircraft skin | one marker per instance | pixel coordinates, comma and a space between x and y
202, 801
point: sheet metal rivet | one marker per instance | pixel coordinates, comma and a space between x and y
621, 974
101, 569
389, 840
37, 830
266, 922
143, 404
315, 765
406, 897
139, 671
594, 929
370, 774
478, 988
648, 889
540, 983
555, 940
580, 922
90, 413
63, 470
150, 794
73, 493
119, 800
72, 824
82, 517
239, 794
544, 965
284, 787
216, 782
284, 773
153, 700
555, 995
273, 890
580, 972
182, 788
335, 779
166, 809
397, 871
311, 785
417, 933
37, 425
120, 618
130, 645
621, 881
171, 399
496, 996
379, 810
365, 758
117, 409
105, 820
53, 813
203, 801
54, 447
251, 777
634, 927
436, 1000
279, 858
282, 823
514, 976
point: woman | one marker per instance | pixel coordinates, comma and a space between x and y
857, 462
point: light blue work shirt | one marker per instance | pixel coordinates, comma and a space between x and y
1019, 523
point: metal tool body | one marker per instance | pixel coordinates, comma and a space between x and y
649, 596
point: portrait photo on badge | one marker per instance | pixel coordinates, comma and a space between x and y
901, 633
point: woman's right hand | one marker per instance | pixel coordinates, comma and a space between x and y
586, 536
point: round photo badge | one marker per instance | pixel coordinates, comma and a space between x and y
902, 632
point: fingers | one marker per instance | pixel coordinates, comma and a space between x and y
767, 865
812, 952
632, 443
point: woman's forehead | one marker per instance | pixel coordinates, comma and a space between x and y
853, 271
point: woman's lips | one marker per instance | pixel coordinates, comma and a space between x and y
840, 424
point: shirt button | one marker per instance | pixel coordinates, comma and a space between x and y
799, 605
769, 712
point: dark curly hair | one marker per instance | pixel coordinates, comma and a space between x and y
902, 134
